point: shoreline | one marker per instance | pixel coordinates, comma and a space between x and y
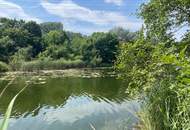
72, 72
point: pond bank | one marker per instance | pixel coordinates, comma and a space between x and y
83, 72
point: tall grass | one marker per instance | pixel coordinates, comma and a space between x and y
145, 120
50, 65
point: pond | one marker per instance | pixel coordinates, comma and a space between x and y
69, 103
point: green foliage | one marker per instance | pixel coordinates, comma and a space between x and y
77, 44
55, 52
51, 26
106, 45
48, 64
102, 48
33, 28
133, 64
3, 67
56, 45
22, 42
11, 23
178, 100
19, 36
72, 35
156, 68
6, 48
55, 38
91, 56
160, 76
22, 55
162, 16
124, 35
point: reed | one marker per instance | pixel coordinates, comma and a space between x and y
5, 122
51, 65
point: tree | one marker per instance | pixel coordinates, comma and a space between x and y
22, 41
76, 44
162, 17
11, 23
55, 52
55, 38
106, 44
123, 35
19, 36
6, 47
51, 26
72, 35
56, 45
35, 37
19, 57
90, 55
33, 28
101, 48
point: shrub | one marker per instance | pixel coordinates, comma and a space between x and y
161, 76
3, 67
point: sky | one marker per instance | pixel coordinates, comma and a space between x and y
84, 16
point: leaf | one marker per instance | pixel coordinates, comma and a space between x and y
186, 80
168, 59
182, 52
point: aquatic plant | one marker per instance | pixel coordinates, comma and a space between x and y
4, 124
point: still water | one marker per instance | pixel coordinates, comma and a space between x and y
69, 103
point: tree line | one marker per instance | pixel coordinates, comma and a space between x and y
29, 45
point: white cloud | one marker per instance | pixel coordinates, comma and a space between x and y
68, 10
87, 30
11, 10
116, 2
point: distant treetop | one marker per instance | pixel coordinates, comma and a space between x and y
51, 26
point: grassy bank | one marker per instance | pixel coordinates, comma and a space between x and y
49, 65
37, 65
81, 73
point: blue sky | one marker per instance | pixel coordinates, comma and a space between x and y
85, 16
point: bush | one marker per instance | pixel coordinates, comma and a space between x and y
3, 67
161, 76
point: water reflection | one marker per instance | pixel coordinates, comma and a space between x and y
70, 104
